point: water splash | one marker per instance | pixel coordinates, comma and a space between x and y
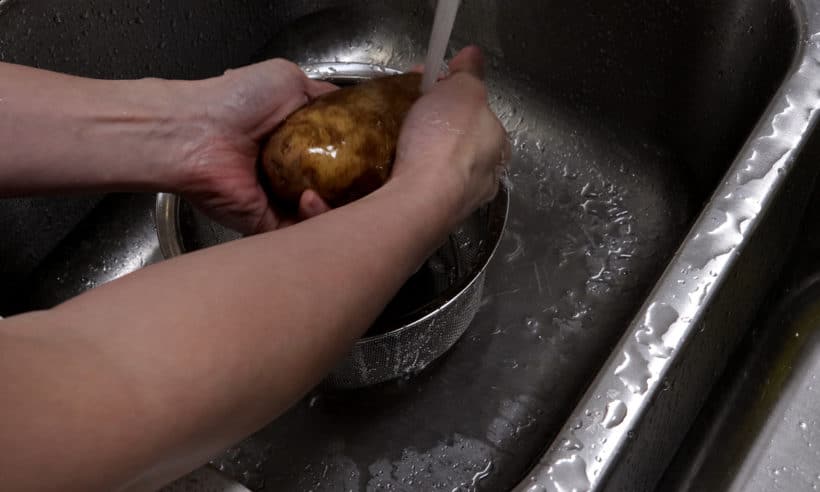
456, 465
481, 475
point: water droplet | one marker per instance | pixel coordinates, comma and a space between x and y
614, 414
572, 444
634, 370
721, 239
569, 474
659, 318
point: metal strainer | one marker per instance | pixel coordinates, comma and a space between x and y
428, 315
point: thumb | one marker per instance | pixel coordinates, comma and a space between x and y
267, 222
316, 88
469, 60
311, 205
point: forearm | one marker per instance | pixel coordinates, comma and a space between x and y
59, 132
227, 337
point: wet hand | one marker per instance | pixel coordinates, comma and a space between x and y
451, 142
235, 112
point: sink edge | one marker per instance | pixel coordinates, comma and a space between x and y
636, 388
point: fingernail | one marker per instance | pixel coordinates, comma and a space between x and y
312, 205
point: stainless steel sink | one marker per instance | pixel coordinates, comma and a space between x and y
641, 129
759, 430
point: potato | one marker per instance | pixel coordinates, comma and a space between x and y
342, 144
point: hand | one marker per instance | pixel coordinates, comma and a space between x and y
451, 141
238, 110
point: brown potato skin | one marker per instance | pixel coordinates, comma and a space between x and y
342, 144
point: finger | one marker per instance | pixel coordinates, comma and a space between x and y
419, 68
311, 205
267, 222
316, 88
469, 60
287, 222
282, 112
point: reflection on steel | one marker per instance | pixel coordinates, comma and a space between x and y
636, 372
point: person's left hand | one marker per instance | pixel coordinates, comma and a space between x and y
236, 111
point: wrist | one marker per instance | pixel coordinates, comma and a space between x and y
438, 200
62, 132
445, 191
154, 130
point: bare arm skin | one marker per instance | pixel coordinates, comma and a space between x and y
141, 380
199, 138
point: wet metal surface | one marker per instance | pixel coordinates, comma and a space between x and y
554, 299
765, 433
594, 212
623, 118
117, 237
760, 428
710, 264
30, 228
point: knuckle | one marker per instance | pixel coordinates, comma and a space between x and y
288, 69
282, 63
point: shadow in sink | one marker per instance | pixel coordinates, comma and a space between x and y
30, 228
760, 430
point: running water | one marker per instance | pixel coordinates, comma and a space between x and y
442, 28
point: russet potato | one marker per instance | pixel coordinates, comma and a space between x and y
342, 144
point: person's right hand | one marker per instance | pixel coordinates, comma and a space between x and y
451, 141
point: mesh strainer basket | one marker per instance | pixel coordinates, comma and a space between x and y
429, 314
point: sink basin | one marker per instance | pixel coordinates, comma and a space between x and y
640, 129
759, 429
